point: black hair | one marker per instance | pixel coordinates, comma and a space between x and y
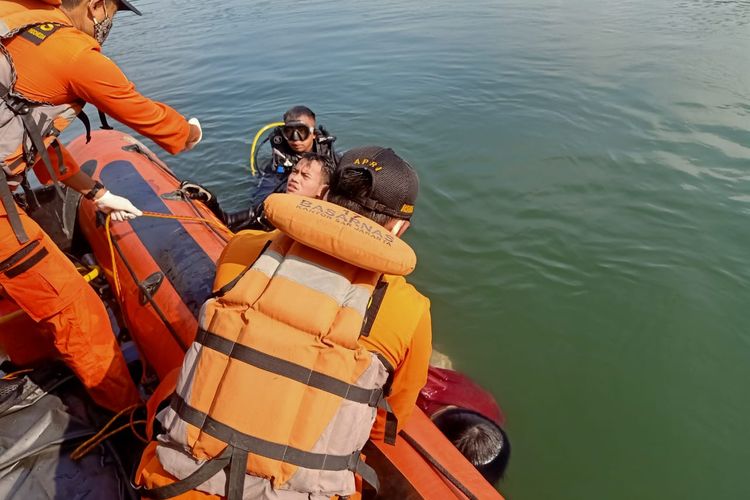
327, 166
298, 111
350, 184
484, 443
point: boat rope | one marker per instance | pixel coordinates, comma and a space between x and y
156, 215
84, 448
14, 375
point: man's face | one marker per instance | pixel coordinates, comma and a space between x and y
307, 179
295, 142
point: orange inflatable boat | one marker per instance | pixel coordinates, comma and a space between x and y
164, 270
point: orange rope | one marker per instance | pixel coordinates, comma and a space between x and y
100, 436
133, 429
14, 375
156, 215
84, 449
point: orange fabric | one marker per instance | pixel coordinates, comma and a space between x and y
239, 253
70, 316
162, 392
402, 331
150, 474
24, 350
69, 67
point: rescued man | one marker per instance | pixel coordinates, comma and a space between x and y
297, 136
376, 184
310, 176
51, 65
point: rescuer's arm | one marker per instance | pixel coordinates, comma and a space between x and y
73, 177
96, 79
409, 377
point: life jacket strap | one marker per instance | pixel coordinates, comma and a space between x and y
84, 118
271, 450
198, 477
22, 108
287, 369
6, 198
373, 308
103, 120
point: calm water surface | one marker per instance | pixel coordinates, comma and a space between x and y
585, 206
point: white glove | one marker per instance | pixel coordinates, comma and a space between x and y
194, 121
118, 207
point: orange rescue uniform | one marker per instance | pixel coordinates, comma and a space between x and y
68, 67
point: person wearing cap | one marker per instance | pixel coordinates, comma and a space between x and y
378, 184
50, 67
375, 183
289, 142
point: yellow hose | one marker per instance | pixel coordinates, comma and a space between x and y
255, 144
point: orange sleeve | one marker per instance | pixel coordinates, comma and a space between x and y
409, 378
40, 169
96, 79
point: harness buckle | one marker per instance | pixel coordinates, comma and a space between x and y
18, 106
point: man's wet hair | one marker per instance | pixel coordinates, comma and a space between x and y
479, 439
326, 164
348, 185
297, 112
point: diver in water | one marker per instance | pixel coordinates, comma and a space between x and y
295, 140
289, 142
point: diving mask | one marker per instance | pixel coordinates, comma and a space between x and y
296, 131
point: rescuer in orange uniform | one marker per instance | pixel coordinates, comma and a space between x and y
400, 327
51, 65
377, 184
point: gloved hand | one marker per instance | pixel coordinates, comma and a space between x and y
196, 134
120, 208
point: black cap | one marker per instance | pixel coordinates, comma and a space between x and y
125, 5
395, 184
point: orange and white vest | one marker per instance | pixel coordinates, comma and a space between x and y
276, 393
27, 127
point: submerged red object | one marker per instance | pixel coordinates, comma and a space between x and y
451, 388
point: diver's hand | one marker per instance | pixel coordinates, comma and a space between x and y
195, 191
196, 134
118, 207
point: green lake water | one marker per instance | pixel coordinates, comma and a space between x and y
584, 217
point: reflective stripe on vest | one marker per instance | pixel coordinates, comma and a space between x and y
277, 372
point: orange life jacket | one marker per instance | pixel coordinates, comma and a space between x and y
276, 384
28, 127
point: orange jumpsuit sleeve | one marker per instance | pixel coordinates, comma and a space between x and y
40, 169
96, 79
409, 377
